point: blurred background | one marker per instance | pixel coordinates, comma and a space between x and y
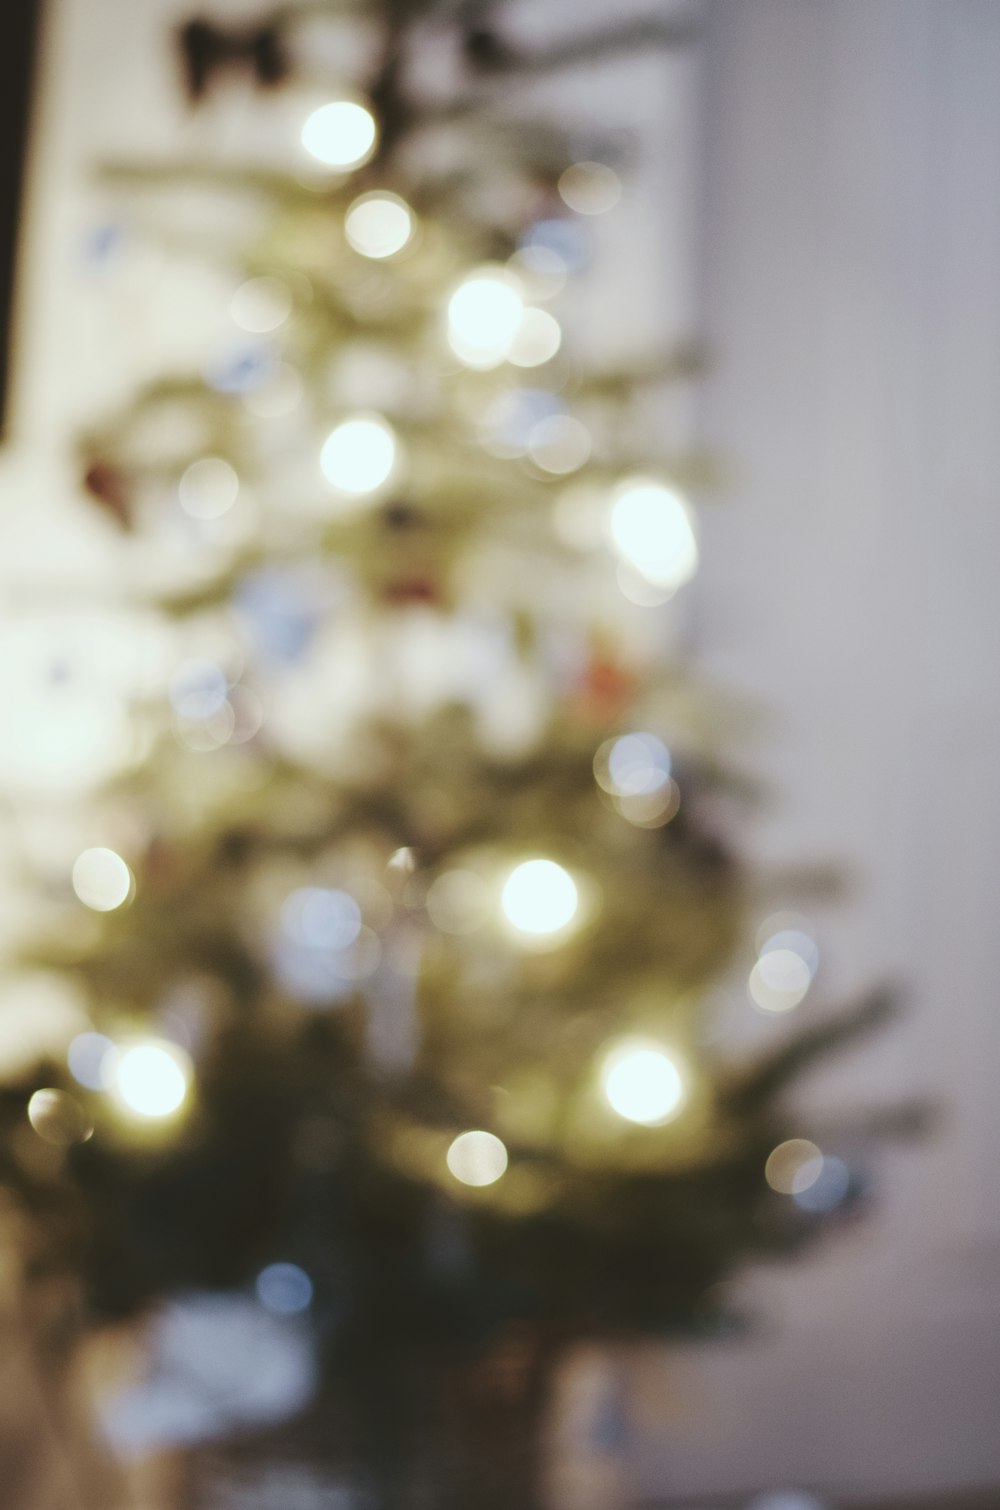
816, 200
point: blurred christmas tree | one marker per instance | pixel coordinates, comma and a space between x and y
399, 924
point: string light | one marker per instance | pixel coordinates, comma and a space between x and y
477, 1158
652, 530
540, 898
151, 1079
359, 456
379, 225
484, 317
642, 1083
101, 879
341, 134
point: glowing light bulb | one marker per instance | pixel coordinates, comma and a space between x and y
484, 317
359, 456
642, 1083
341, 134
477, 1158
539, 897
101, 879
152, 1078
379, 225
652, 530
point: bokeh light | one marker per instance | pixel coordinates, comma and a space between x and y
642, 1083
793, 1166
828, 1190
779, 980
261, 304
152, 1079
538, 338
340, 134
652, 530
88, 1061
590, 188
359, 456
458, 901
560, 444
198, 688
477, 1158
59, 1118
539, 897
209, 488
321, 917
633, 765
284, 1289
101, 879
484, 317
379, 225
278, 396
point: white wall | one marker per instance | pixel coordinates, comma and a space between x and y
851, 292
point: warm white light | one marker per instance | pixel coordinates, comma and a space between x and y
477, 1158
642, 1083
538, 338
58, 1118
484, 317
539, 897
261, 304
341, 134
359, 456
208, 488
379, 225
590, 188
101, 879
152, 1078
652, 530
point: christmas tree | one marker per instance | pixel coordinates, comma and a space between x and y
401, 916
